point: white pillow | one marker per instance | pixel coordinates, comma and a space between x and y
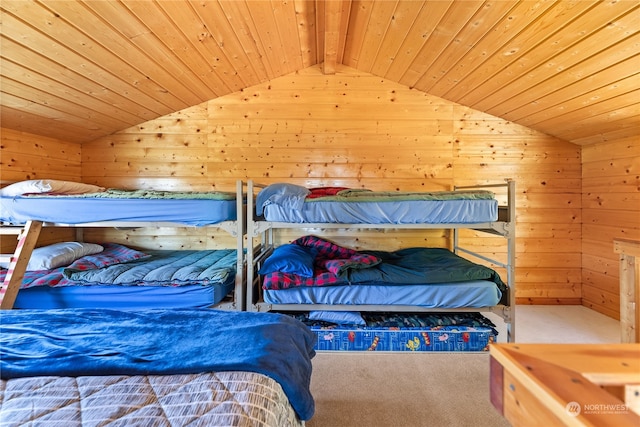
48, 186
58, 255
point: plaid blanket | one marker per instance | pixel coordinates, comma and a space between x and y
331, 265
112, 254
335, 265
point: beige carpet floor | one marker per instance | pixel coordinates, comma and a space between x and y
363, 389
394, 390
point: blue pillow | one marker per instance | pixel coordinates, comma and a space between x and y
290, 258
289, 196
339, 317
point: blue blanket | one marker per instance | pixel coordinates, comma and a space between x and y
83, 342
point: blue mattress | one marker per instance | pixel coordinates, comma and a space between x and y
387, 212
405, 332
284, 202
476, 293
124, 297
445, 338
78, 210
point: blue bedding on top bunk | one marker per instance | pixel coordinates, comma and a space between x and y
290, 203
78, 210
107, 342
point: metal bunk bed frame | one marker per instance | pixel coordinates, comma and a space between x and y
505, 226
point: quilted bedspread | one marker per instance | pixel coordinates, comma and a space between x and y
123, 266
207, 399
163, 268
102, 342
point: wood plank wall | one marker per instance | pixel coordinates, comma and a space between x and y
355, 129
26, 156
169, 153
610, 210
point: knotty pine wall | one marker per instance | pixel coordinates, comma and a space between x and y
610, 210
326, 130
26, 156
355, 129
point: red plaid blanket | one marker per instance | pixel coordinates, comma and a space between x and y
324, 191
113, 253
330, 265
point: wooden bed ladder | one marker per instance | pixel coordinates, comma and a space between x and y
27, 239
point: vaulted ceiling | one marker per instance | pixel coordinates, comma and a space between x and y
78, 70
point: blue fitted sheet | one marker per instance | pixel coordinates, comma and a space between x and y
123, 297
387, 212
72, 210
476, 293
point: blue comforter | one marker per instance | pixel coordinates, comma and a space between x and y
83, 342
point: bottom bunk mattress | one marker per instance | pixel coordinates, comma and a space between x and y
312, 270
120, 277
205, 399
124, 297
475, 293
399, 332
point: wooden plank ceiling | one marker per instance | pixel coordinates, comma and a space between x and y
78, 70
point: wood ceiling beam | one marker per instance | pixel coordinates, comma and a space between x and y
334, 14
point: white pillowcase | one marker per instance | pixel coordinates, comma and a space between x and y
48, 186
58, 255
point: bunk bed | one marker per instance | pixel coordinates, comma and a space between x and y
287, 206
27, 206
178, 367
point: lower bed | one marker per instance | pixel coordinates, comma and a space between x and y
124, 297
154, 368
400, 332
207, 399
473, 293
123, 278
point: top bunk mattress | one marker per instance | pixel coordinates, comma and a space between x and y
188, 208
293, 204
70, 210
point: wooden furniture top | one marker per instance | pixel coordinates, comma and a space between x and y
604, 379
